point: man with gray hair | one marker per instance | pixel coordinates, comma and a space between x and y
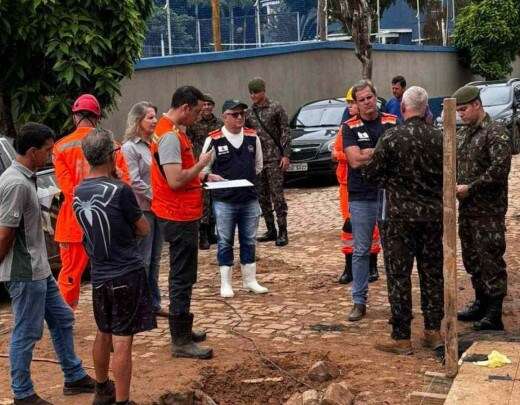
407, 163
108, 212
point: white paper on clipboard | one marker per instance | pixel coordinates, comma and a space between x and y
219, 185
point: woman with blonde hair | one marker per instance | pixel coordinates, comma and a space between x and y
136, 148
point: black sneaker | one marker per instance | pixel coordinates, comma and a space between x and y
85, 385
33, 399
105, 394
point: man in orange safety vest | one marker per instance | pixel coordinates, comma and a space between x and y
71, 168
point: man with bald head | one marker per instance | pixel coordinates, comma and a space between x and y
407, 163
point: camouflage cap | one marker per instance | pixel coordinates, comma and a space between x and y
466, 94
208, 98
256, 85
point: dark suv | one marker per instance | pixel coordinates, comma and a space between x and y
313, 130
500, 99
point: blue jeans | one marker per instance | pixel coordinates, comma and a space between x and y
229, 216
32, 302
363, 217
150, 248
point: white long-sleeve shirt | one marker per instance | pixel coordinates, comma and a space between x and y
236, 140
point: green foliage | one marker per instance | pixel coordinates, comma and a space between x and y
180, 25
487, 35
54, 50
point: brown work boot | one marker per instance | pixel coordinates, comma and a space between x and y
431, 339
105, 393
389, 345
358, 312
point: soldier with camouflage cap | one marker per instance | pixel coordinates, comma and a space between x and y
483, 165
198, 132
407, 163
272, 125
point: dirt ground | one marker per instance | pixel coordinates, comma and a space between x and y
300, 321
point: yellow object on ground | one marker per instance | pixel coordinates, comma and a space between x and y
495, 359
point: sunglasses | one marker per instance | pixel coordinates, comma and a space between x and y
237, 114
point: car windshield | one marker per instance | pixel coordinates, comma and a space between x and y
320, 116
492, 96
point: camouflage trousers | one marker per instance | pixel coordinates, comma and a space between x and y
207, 212
270, 192
402, 242
483, 243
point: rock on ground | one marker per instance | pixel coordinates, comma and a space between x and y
338, 394
311, 397
323, 371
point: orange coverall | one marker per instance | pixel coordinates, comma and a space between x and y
71, 168
338, 154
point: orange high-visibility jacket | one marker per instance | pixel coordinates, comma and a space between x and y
184, 204
71, 168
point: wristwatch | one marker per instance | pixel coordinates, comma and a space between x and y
205, 178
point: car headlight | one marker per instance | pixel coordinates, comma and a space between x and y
506, 120
327, 146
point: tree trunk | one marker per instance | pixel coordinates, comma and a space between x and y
7, 127
322, 20
361, 25
215, 22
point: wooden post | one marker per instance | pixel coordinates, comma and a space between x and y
450, 237
322, 20
215, 22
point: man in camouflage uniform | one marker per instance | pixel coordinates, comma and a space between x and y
272, 125
407, 163
198, 132
483, 165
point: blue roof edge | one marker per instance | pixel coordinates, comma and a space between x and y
188, 59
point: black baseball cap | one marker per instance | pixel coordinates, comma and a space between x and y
232, 104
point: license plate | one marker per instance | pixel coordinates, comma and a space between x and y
298, 167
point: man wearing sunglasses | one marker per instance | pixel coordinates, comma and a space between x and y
236, 153
483, 165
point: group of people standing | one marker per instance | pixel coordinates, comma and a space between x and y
394, 178
120, 203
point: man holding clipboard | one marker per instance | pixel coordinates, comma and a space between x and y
236, 156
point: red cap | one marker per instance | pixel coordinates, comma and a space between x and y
87, 102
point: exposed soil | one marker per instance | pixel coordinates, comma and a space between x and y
301, 320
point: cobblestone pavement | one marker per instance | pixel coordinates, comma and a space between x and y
303, 292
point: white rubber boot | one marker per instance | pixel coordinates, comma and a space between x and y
226, 291
249, 279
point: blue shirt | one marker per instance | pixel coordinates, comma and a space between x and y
393, 106
107, 210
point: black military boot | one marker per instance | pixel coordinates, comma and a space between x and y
283, 238
492, 319
346, 277
474, 311
373, 274
182, 339
270, 235
203, 237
